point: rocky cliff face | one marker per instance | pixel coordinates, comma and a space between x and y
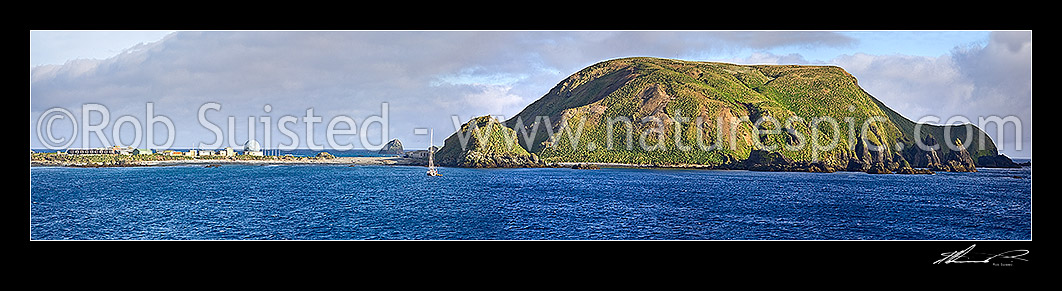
760, 160
925, 158
956, 160
879, 160
960, 160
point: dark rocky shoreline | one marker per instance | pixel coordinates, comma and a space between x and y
871, 162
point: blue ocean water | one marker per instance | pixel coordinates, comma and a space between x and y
330, 202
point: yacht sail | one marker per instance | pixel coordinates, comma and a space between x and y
431, 156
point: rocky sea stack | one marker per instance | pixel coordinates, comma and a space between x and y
325, 155
393, 147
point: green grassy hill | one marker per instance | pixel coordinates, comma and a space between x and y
673, 112
483, 142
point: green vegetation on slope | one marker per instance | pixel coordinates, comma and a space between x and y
483, 142
661, 111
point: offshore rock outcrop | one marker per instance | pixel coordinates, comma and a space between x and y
393, 147
325, 155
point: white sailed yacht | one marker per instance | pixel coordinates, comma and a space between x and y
431, 156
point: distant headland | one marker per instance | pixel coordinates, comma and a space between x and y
652, 112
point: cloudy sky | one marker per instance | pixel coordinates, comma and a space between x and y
427, 77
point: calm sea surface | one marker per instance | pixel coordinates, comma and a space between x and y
329, 202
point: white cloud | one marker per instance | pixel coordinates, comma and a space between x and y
473, 76
993, 79
767, 58
56, 47
914, 86
425, 76
495, 99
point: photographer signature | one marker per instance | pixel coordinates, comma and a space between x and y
965, 256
